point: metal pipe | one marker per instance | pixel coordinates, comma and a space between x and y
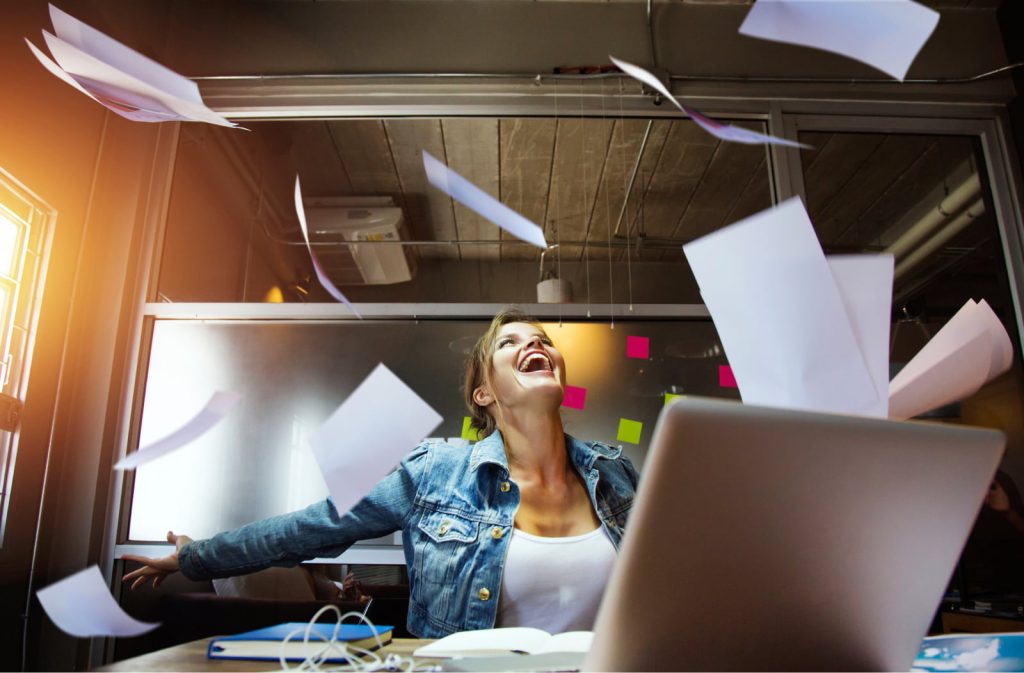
617, 242
941, 237
946, 208
539, 77
632, 178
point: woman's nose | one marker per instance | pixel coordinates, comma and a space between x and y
534, 342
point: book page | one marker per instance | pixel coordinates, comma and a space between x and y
570, 641
484, 642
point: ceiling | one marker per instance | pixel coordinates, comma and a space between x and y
572, 174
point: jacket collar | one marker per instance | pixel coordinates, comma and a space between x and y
491, 449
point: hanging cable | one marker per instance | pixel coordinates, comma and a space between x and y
558, 208
583, 195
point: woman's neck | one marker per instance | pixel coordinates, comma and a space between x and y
535, 447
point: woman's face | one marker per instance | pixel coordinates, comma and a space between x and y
526, 368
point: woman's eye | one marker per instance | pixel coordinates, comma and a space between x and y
504, 342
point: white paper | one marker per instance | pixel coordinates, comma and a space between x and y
81, 605
970, 350
779, 314
119, 78
1002, 347
479, 201
88, 39
504, 640
372, 430
865, 285
321, 275
216, 409
718, 129
885, 34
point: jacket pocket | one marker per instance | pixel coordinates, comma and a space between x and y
443, 527
445, 546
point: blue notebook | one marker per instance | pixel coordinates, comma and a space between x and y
972, 652
266, 643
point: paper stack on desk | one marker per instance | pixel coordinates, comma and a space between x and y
806, 331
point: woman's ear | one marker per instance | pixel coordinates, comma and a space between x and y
482, 396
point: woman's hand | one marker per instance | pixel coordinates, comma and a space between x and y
156, 569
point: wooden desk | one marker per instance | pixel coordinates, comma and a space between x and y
192, 657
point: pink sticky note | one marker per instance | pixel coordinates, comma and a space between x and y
638, 347
725, 377
574, 398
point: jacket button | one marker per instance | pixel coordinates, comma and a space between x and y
443, 529
497, 533
505, 487
484, 594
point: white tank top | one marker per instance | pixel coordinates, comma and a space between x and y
555, 583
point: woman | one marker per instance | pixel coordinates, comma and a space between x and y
521, 529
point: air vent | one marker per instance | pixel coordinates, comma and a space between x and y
369, 264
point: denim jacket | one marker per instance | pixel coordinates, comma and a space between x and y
455, 507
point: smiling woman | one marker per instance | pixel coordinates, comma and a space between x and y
473, 520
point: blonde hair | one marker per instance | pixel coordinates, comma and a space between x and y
478, 366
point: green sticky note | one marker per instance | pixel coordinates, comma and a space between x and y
468, 431
669, 397
629, 431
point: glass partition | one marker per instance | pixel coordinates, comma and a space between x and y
926, 199
598, 187
257, 462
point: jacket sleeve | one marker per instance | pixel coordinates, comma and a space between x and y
316, 531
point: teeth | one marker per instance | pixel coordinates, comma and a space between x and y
525, 365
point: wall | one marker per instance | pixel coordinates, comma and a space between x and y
87, 165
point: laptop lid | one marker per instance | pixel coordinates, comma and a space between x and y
773, 539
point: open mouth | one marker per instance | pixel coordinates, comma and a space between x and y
534, 363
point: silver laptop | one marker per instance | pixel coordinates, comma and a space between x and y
770, 539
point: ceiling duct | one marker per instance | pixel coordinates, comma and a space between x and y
966, 193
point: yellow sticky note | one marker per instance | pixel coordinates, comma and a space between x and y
669, 397
629, 431
468, 431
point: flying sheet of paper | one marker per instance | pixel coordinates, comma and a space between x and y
81, 605
482, 203
372, 430
970, 350
216, 409
886, 35
865, 285
321, 275
779, 314
716, 128
118, 77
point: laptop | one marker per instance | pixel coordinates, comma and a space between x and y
773, 539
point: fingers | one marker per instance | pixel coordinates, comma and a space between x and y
158, 580
144, 560
140, 581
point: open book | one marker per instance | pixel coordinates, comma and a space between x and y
519, 639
